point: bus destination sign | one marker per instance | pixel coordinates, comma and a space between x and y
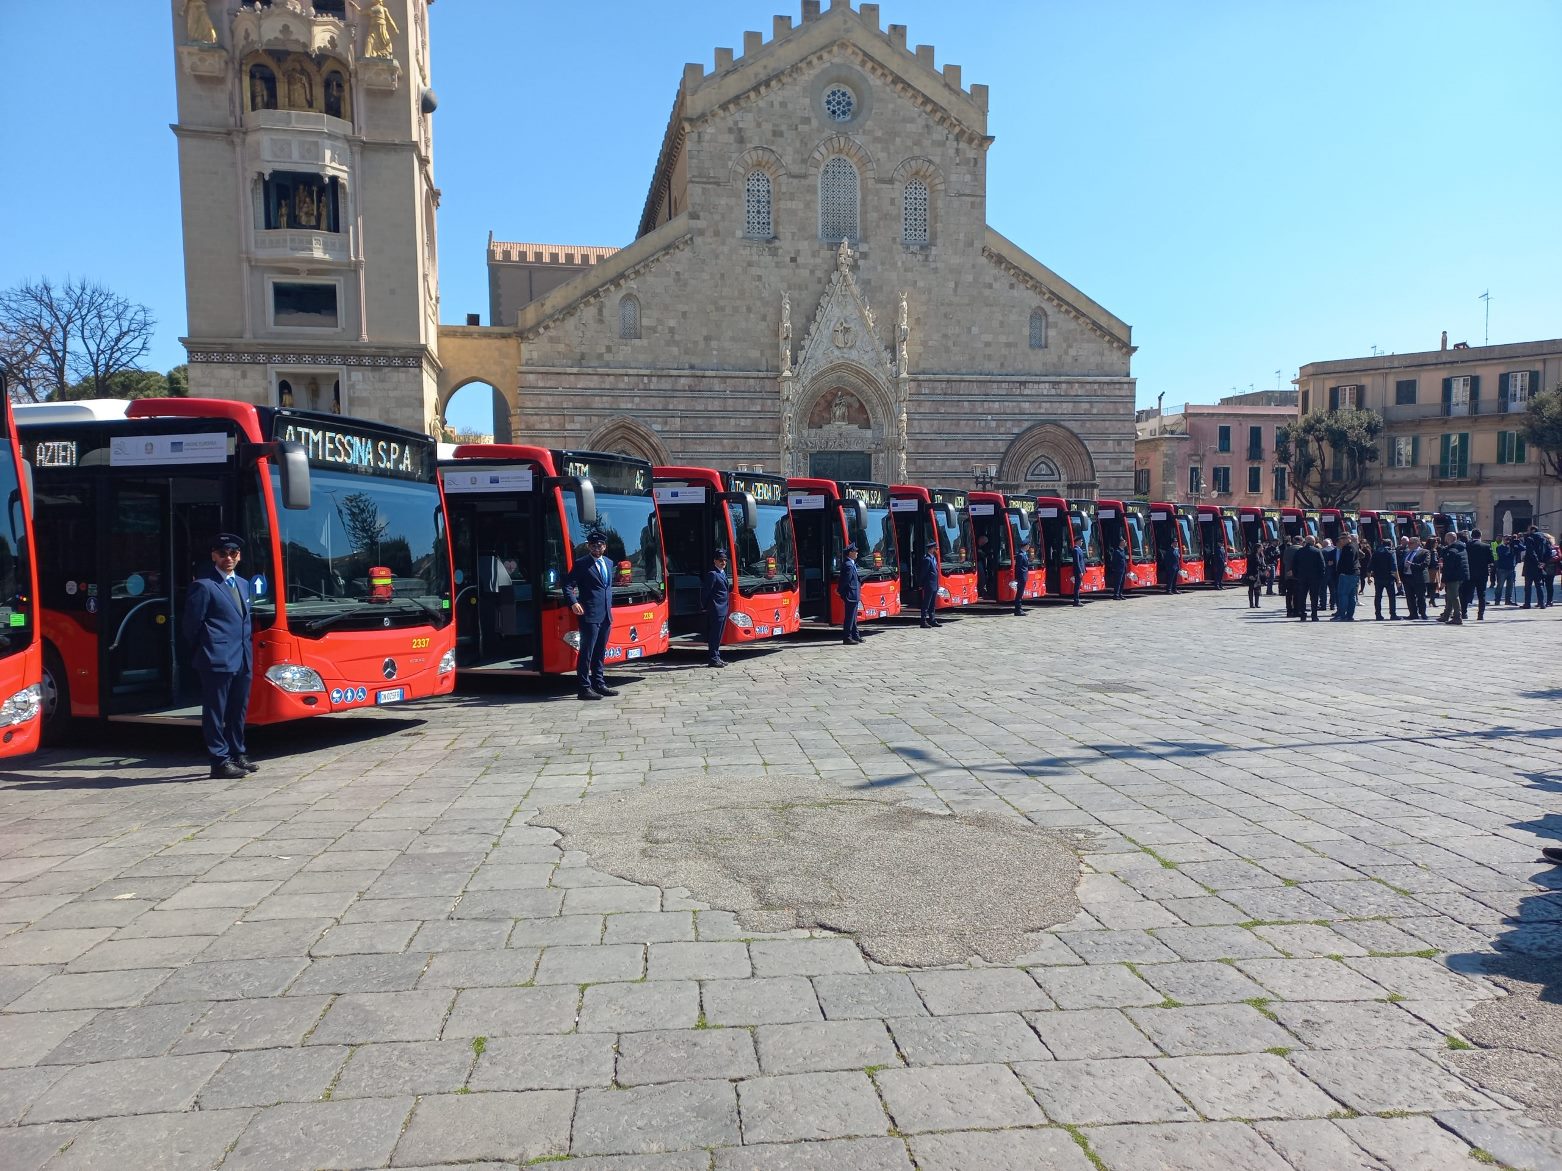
871, 495
764, 490
619, 477
341, 448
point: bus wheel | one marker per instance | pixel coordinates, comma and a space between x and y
56, 698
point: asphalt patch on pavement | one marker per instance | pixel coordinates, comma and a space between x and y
915, 889
1519, 1038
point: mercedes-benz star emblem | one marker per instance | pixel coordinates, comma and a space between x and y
634, 635
389, 669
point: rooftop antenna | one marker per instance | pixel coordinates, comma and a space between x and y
1277, 380
1486, 296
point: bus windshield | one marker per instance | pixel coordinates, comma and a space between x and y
1233, 535
875, 541
954, 540
634, 543
1134, 523
764, 560
1085, 531
354, 525
1190, 538
16, 625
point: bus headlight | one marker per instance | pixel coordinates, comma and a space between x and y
295, 679
740, 620
572, 640
664, 631
447, 662
943, 593
23, 706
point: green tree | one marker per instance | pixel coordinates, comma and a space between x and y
1329, 455
1542, 429
125, 384
179, 381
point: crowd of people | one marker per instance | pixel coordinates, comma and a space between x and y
1315, 575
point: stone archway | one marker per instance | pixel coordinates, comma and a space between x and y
844, 409
626, 436
1048, 457
475, 353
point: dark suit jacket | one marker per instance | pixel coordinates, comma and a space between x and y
716, 592
1384, 564
1307, 566
927, 572
1021, 566
1481, 559
218, 632
1455, 562
584, 584
849, 583
1079, 559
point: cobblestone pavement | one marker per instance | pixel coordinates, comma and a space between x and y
1300, 845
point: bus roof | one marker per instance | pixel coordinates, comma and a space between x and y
92, 410
910, 492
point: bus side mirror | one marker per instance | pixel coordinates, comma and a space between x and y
585, 498
947, 511
854, 506
1017, 518
750, 509
293, 464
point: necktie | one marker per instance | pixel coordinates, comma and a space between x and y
233, 590
602, 569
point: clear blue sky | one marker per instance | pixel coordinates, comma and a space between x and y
1251, 184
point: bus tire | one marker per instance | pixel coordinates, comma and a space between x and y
56, 698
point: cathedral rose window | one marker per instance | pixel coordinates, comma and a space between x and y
840, 103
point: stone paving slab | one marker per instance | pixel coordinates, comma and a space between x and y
366, 956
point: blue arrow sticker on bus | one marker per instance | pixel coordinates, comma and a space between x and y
258, 584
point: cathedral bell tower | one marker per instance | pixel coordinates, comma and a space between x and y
306, 178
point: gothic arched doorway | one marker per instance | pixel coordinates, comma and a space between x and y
841, 432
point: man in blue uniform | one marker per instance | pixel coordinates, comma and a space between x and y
927, 586
1171, 567
1079, 568
716, 600
1117, 568
849, 586
1021, 576
589, 589
216, 625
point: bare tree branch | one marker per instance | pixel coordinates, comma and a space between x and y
79, 332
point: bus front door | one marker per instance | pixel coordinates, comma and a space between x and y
815, 550
497, 611
159, 532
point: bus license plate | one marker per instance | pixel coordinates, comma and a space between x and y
761, 632
393, 695
635, 652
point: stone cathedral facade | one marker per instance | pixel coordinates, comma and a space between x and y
814, 288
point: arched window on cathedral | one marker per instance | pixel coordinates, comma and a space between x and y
629, 316
757, 221
838, 201
1038, 329
915, 227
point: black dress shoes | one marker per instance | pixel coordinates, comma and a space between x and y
1552, 854
605, 692
587, 693
228, 771
246, 764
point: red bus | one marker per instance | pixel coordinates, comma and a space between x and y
1166, 533
130, 494
1335, 523
1128, 520
1192, 546
1253, 527
518, 520
745, 513
826, 515
1022, 519
1373, 526
1218, 529
999, 529
1293, 523
21, 649
929, 517
1060, 523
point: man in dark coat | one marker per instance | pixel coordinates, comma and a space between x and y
1078, 556
588, 587
927, 586
1508, 555
1385, 573
1348, 566
1215, 566
716, 600
1482, 560
1288, 585
1171, 567
1021, 576
1455, 571
849, 586
1117, 568
1534, 575
1413, 562
216, 625
1307, 571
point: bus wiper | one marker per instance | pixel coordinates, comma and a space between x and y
434, 615
321, 623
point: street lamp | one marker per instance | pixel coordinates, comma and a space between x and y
984, 475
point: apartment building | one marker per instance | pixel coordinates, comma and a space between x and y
1218, 453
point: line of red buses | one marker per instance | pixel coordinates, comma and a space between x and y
384, 565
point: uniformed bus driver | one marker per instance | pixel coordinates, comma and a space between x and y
589, 589
218, 629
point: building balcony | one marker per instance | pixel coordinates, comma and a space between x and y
296, 120
301, 244
292, 25
1455, 474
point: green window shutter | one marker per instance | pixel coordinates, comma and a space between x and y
1448, 396
1475, 393
1445, 450
1464, 453
1415, 450
1503, 439
1334, 398
1520, 454
1502, 391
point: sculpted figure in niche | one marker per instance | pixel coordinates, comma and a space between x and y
282, 211
308, 207
198, 28
786, 334
838, 409
335, 95
382, 27
300, 95
261, 94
